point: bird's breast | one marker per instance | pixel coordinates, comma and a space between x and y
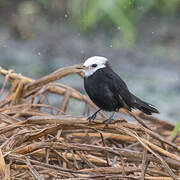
98, 90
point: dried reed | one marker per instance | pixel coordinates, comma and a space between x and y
40, 144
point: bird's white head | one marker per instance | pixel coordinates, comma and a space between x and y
92, 64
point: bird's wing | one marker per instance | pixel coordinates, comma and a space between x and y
119, 88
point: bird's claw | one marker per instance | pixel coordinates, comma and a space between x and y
107, 121
92, 117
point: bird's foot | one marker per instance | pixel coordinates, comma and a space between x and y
107, 121
92, 117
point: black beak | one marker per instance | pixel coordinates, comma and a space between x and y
82, 67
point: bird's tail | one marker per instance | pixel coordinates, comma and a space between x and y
143, 106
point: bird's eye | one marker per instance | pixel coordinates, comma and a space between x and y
94, 65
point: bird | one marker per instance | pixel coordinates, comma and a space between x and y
108, 91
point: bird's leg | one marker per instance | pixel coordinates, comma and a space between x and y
107, 121
93, 116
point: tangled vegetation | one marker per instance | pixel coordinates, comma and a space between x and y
41, 141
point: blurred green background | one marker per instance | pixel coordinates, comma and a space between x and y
141, 39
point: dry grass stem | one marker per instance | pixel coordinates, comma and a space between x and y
42, 140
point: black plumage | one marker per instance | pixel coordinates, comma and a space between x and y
110, 93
